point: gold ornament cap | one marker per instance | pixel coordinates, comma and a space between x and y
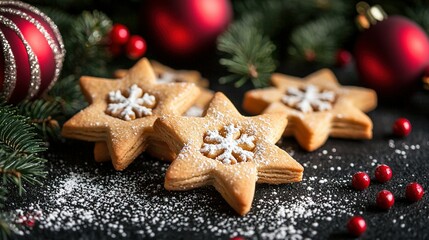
369, 15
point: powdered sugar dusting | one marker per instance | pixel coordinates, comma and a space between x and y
229, 145
116, 204
309, 99
130, 107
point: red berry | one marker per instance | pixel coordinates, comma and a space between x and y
401, 127
383, 173
119, 34
360, 181
356, 226
136, 47
414, 192
385, 199
343, 57
237, 238
30, 222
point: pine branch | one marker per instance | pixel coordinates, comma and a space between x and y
275, 15
16, 134
85, 39
18, 148
319, 40
42, 114
249, 54
19, 168
4, 228
66, 92
3, 193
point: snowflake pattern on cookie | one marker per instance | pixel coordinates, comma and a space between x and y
135, 105
229, 145
309, 99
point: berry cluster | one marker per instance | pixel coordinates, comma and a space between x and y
120, 40
384, 200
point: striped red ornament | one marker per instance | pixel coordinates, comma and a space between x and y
31, 53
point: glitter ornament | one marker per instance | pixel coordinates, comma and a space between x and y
356, 226
391, 54
32, 51
360, 181
383, 173
414, 192
385, 199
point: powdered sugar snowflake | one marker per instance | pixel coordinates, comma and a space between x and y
229, 145
130, 107
309, 99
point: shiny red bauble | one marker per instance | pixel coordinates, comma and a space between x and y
391, 56
183, 28
402, 127
414, 192
136, 47
360, 181
385, 199
119, 34
383, 173
356, 226
32, 51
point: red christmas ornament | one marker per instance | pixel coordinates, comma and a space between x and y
383, 173
385, 199
356, 226
32, 51
360, 181
414, 192
391, 55
136, 47
119, 34
182, 28
401, 127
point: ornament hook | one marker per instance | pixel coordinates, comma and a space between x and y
369, 15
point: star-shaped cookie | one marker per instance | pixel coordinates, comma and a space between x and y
227, 150
317, 107
164, 75
122, 112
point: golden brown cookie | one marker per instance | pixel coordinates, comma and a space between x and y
122, 112
227, 150
157, 148
317, 107
166, 74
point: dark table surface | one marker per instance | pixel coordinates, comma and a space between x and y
81, 199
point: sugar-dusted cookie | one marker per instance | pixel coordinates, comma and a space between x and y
227, 150
166, 74
155, 148
317, 107
122, 112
